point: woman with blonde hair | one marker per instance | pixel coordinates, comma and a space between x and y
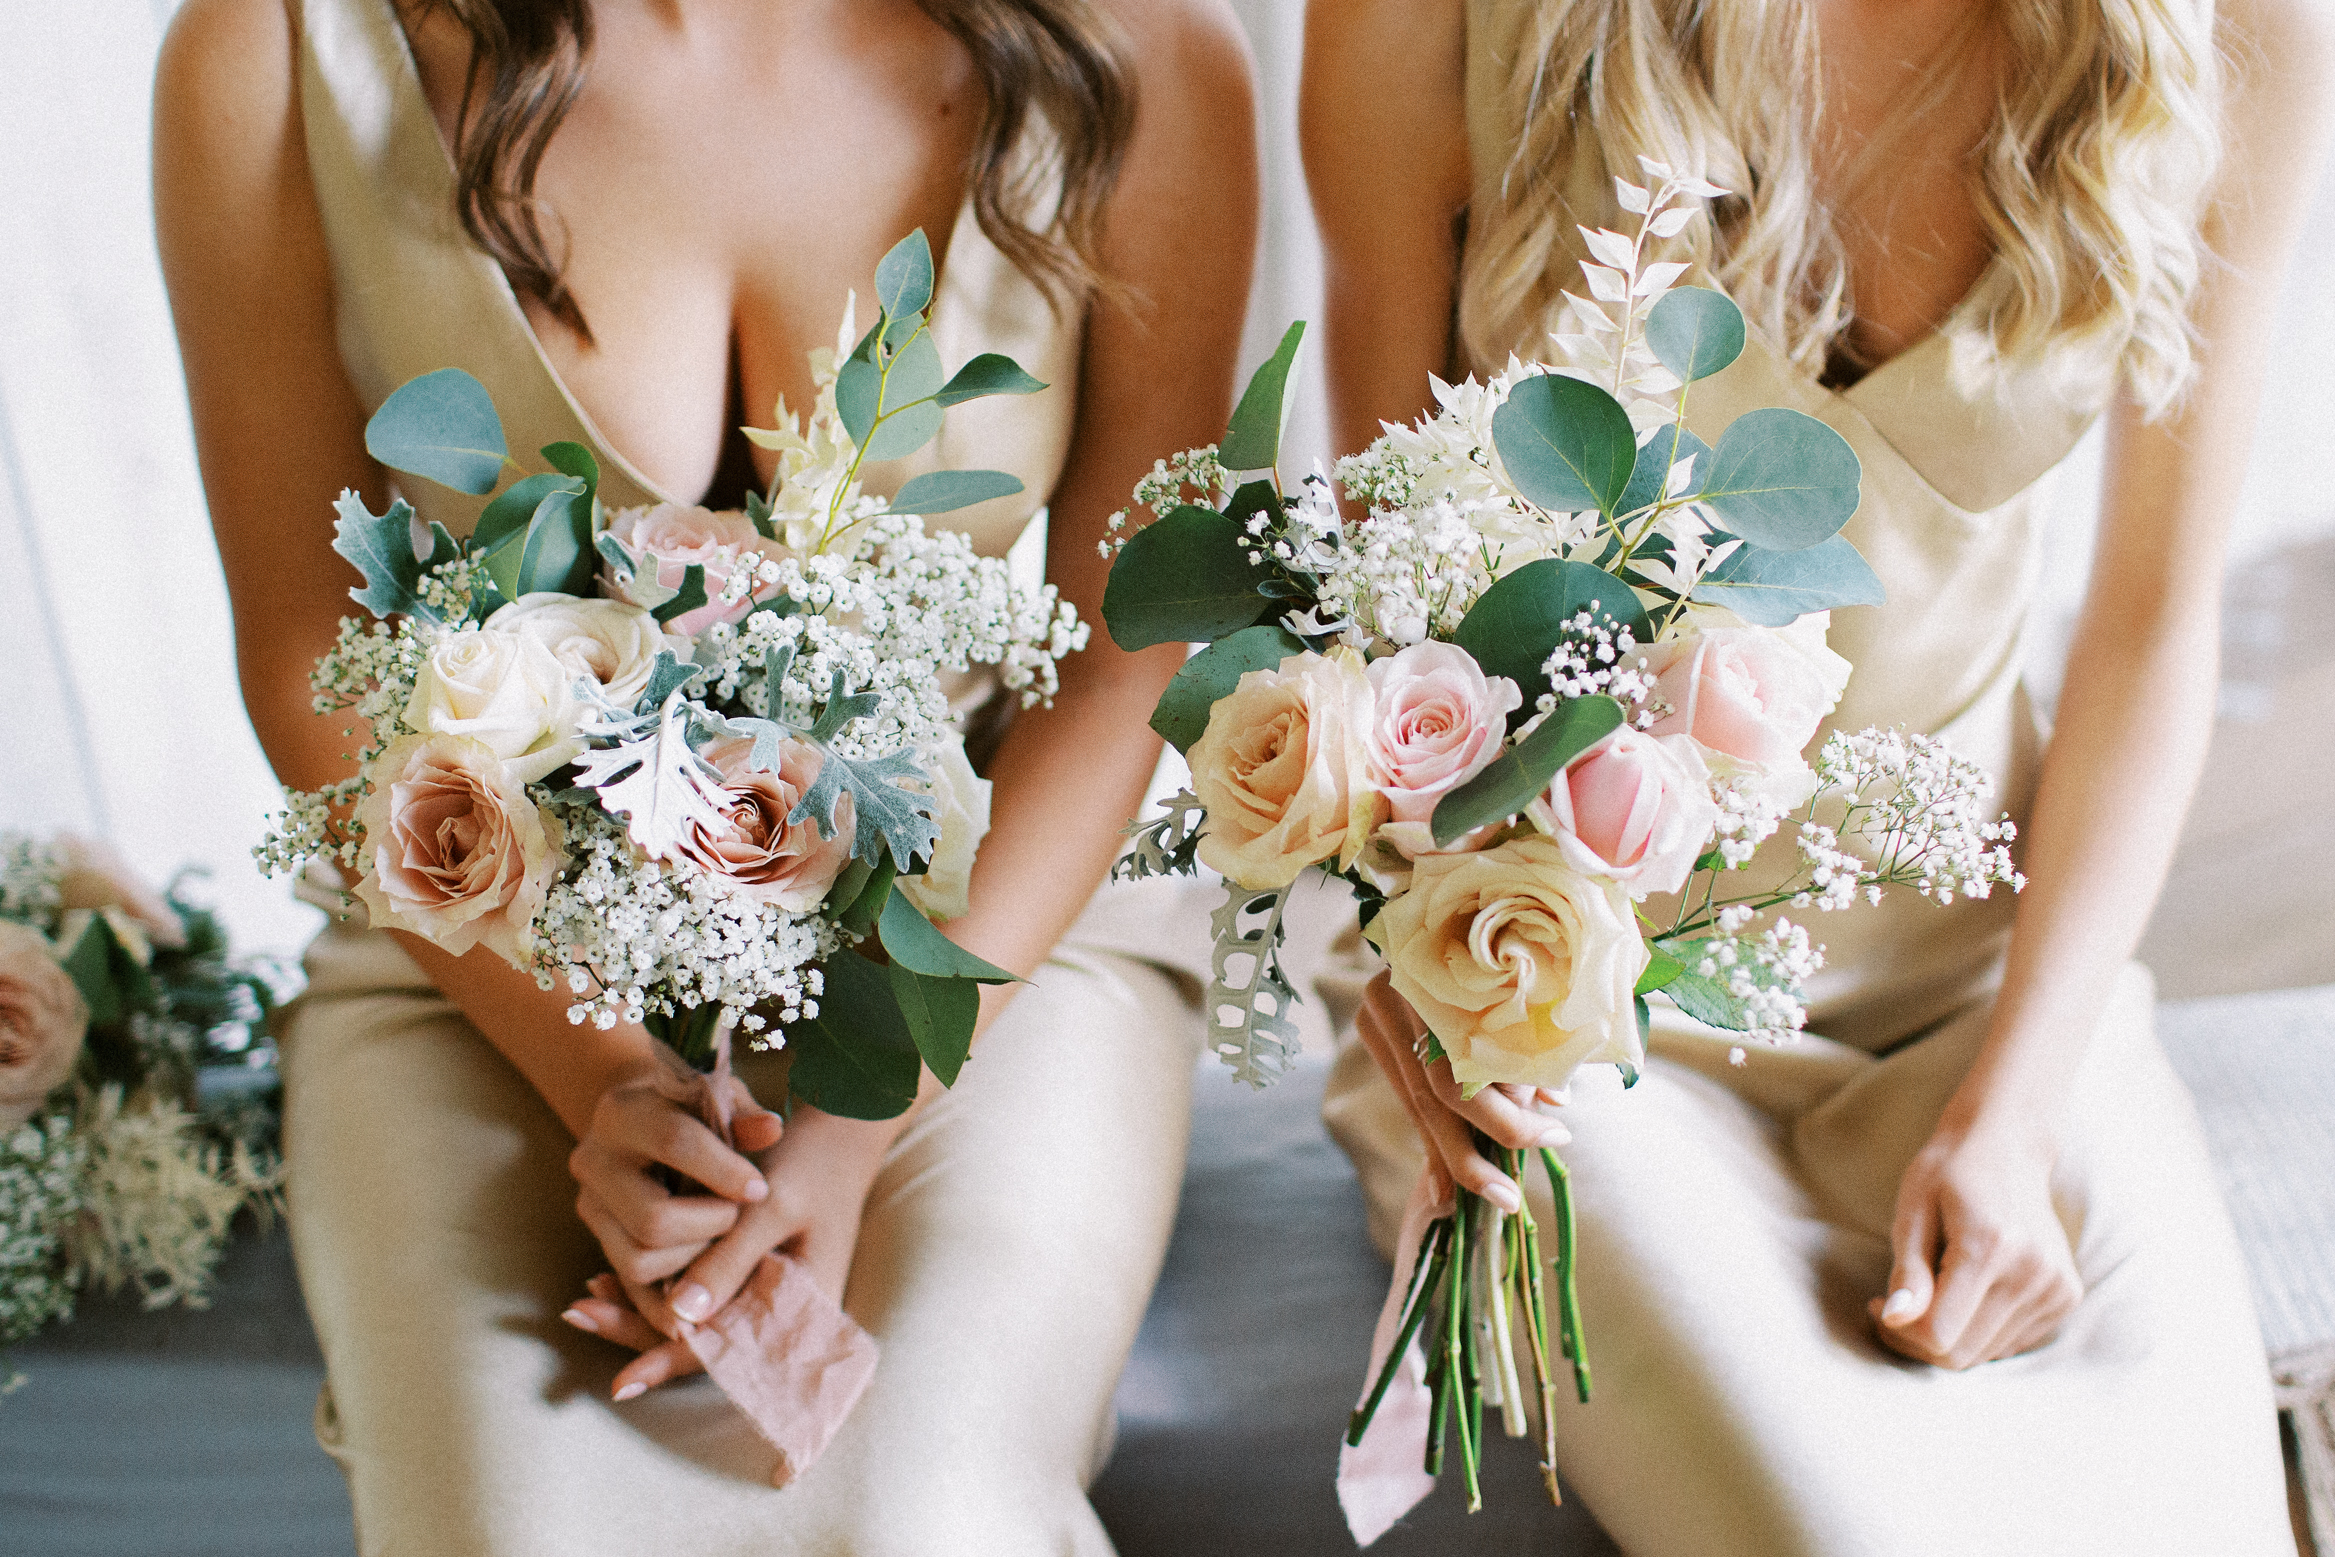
1950, 1274
632, 220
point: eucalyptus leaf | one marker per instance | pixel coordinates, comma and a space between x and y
441, 425
1185, 578
896, 401
1517, 624
1782, 479
758, 515
558, 554
940, 1014
382, 547
1666, 448
1253, 442
1211, 675
988, 374
856, 1058
1518, 775
1695, 332
916, 942
904, 276
1776, 588
515, 505
1568, 445
945, 491
867, 905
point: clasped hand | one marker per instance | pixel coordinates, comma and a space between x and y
1982, 1267
677, 1259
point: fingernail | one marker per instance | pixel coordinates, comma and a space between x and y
581, 1320
1555, 1135
1901, 1305
756, 1190
693, 1303
1503, 1194
632, 1391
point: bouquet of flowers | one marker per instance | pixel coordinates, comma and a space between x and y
1540, 704
688, 765
137, 1087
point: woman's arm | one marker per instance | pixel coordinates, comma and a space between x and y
1155, 377
1983, 1267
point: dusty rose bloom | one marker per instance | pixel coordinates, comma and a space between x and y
669, 538
454, 850
42, 1020
754, 847
1436, 721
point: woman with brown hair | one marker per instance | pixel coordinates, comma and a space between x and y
1950, 1274
632, 220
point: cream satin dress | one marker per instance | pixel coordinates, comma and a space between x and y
1013, 1236
1735, 1219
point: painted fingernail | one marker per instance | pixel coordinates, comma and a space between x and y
693, 1303
1901, 1306
581, 1320
632, 1391
1503, 1194
1555, 1135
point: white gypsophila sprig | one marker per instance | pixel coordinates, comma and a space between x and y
31, 873
1598, 657
1915, 814
1765, 975
368, 673
1749, 815
41, 1168
1195, 476
627, 935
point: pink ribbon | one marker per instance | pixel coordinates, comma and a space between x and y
1383, 1477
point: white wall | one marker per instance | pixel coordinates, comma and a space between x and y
118, 708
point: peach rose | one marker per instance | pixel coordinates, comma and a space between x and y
667, 539
455, 851
1634, 808
754, 847
504, 690
1755, 694
1436, 721
607, 641
1284, 772
95, 880
42, 1021
1523, 967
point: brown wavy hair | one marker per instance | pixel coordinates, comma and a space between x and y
1057, 60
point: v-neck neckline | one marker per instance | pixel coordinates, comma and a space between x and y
500, 283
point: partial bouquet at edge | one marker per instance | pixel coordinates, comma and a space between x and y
686, 765
1540, 705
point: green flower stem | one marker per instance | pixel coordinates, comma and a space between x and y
1434, 1249
1438, 1408
1568, 1294
1469, 1407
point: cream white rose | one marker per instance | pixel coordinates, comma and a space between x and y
1524, 968
942, 891
606, 641
1284, 770
504, 690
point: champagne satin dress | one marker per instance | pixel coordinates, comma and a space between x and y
1013, 1236
1735, 1219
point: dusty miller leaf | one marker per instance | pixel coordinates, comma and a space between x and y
656, 783
1167, 845
1249, 1025
382, 547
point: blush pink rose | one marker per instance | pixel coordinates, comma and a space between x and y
1436, 721
665, 540
454, 850
1755, 694
1283, 773
42, 1021
754, 847
1634, 808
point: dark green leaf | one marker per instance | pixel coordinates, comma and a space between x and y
381, 546
575, 460
940, 1014
945, 491
515, 505
1695, 331
1775, 588
1182, 715
1182, 579
758, 515
1666, 448
443, 426
915, 942
1567, 445
856, 1058
558, 554
1253, 442
1782, 479
1704, 999
904, 276
1661, 968
90, 965
613, 553
1519, 774
688, 598
1517, 624
866, 904
988, 374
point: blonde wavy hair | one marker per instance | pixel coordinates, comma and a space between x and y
2091, 178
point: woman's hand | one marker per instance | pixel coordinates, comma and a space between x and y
1983, 1267
1510, 1115
814, 1185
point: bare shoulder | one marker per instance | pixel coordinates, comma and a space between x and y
1190, 58
220, 59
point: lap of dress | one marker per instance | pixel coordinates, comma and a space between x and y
1008, 1250
1734, 1221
